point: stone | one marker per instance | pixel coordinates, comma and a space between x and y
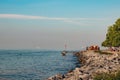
91, 63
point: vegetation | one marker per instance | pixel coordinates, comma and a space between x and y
102, 52
105, 76
113, 35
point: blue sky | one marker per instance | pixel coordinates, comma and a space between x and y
49, 24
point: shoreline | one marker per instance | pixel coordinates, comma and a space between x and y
91, 64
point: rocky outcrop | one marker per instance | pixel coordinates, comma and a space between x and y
56, 77
92, 63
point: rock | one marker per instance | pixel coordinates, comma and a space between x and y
56, 77
84, 76
92, 63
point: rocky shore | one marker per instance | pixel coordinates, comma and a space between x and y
92, 63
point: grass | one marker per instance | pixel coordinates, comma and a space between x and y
106, 76
102, 52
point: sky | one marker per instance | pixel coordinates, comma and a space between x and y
51, 24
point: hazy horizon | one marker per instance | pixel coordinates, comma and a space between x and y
50, 24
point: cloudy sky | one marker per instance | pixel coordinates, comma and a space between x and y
50, 24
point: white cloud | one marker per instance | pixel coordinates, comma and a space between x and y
77, 21
17, 16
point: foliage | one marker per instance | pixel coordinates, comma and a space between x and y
105, 76
113, 35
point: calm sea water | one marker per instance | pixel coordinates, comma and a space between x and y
33, 64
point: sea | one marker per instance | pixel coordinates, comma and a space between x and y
34, 64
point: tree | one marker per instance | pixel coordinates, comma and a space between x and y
113, 35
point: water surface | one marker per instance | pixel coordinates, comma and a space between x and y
33, 64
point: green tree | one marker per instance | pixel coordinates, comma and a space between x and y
113, 35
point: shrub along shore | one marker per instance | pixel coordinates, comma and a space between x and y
95, 65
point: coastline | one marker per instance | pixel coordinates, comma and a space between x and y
92, 63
